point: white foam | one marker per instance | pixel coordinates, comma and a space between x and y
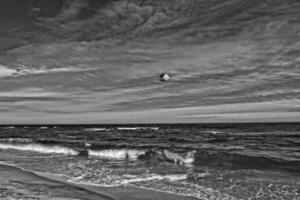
96, 129
118, 154
187, 158
17, 140
43, 127
40, 148
189, 189
137, 128
125, 179
151, 177
10, 127
127, 128
86, 144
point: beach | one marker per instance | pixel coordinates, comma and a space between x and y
16, 183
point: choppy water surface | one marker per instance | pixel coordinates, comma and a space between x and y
209, 161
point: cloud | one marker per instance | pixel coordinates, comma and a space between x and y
6, 72
129, 18
193, 20
219, 71
30, 93
218, 113
70, 11
21, 70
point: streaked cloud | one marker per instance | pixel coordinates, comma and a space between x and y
21, 70
30, 93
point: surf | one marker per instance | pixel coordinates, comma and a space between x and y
56, 149
118, 154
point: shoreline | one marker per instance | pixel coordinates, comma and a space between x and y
18, 183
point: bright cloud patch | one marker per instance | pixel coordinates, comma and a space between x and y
6, 72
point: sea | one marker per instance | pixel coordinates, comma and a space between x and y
207, 161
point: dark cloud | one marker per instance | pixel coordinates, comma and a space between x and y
87, 20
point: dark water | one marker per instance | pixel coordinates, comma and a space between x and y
209, 161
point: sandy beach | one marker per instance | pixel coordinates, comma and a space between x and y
16, 183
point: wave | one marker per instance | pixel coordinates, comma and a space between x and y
40, 148
10, 127
227, 160
129, 179
230, 160
207, 158
88, 149
137, 128
127, 128
96, 129
185, 158
152, 177
169, 156
170, 183
134, 154
16, 140
118, 154
109, 179
44, 127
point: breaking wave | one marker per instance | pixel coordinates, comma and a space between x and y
217, 159
40, 148
133, 154
226, 160
123, 128
127, 128
169, 156
137, 128
96, 129
16, 140
119, 154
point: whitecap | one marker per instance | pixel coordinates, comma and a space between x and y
187, 158
40, 148
117, 154
96, 129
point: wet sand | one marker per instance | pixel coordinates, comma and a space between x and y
16, 183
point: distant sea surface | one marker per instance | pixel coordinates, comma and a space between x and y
208, 161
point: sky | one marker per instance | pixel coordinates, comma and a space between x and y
86, 61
